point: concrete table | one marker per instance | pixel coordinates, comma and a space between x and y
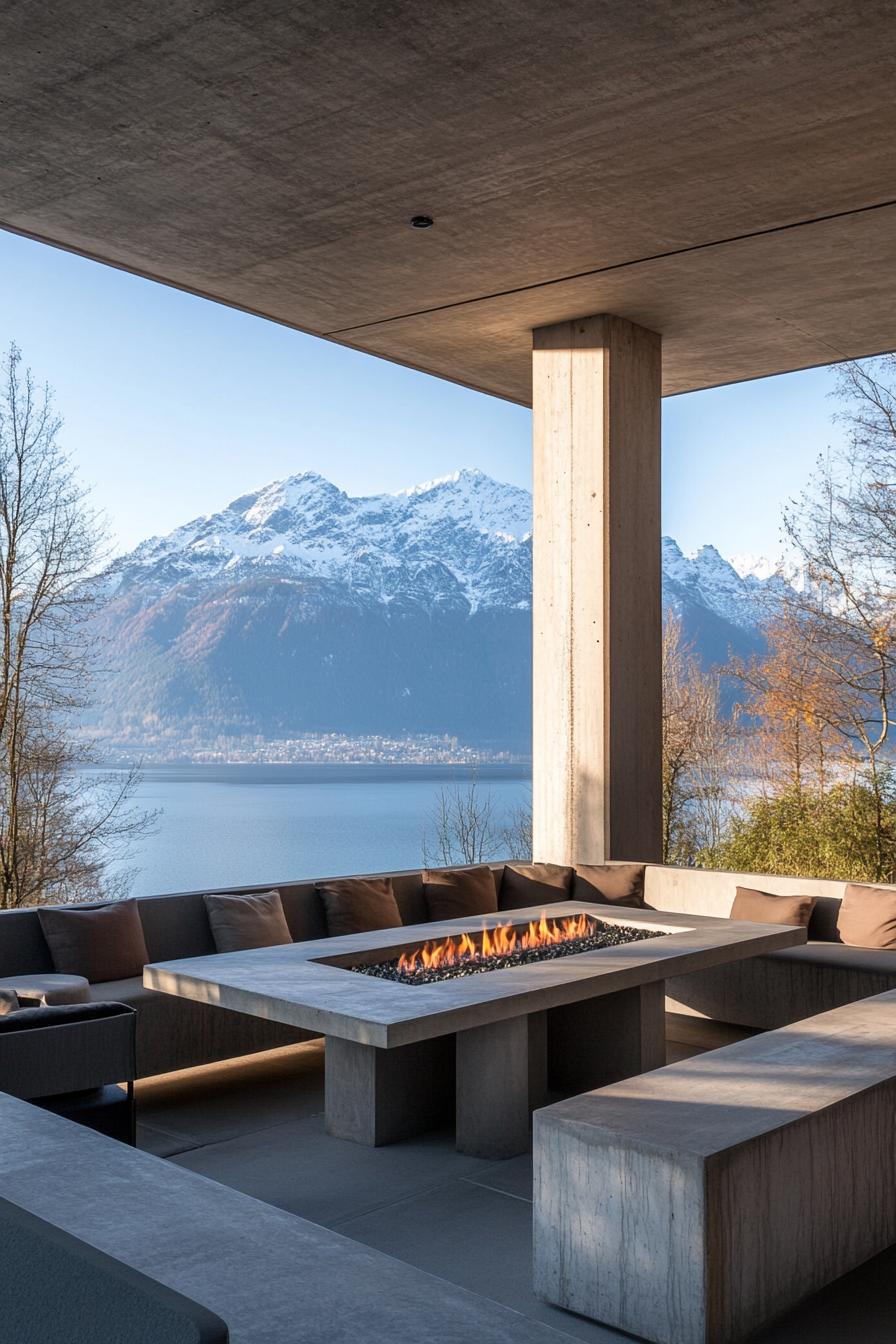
493, 1043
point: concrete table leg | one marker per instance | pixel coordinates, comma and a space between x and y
493, 1086
375, 1096
606, 1039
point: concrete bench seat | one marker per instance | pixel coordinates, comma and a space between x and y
783, 987
693, 1204
269, 1276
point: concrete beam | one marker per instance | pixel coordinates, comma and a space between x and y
597, 690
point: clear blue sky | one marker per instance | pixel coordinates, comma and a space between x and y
173, 406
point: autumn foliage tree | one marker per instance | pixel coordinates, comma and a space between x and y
820, 704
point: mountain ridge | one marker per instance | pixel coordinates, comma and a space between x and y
298, 608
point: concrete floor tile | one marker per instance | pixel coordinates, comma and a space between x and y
160, 1143
300, 1168
513, 1177
475, 1237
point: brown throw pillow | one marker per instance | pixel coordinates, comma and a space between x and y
239, 923
761, 907
451, 893
867, 917
102, 944
610, 883
534, 884
359, 905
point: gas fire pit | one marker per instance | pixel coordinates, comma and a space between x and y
579, 1003
499, 948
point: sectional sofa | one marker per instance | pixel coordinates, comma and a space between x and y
766, 992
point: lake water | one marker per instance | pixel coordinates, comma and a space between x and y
241, 825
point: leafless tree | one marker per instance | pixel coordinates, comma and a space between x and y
59, 824
696, 751
462, 827
517, 832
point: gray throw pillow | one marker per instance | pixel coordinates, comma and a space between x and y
359, 905
105, 943
452, 893
239, 923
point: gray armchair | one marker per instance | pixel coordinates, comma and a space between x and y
70, 1059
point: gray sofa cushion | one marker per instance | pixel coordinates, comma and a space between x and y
787, 986
240, 923
105, 943
839, 957
49, 988
57, 1015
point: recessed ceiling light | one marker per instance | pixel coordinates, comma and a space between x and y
421, 222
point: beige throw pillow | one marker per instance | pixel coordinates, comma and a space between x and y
761, 907
867, 917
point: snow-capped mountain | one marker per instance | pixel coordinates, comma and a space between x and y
462, 539
300, 608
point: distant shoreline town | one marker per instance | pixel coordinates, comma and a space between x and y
313, 749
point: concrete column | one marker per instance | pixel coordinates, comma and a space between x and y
597, 618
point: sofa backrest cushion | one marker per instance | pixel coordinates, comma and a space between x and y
709, 891
103, 943
23, 947
250, 920
176, 926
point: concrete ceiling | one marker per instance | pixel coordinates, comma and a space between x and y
724, 173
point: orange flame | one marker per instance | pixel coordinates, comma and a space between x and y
500, 941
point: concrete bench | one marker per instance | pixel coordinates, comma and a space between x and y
693, 1204
268, 1276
